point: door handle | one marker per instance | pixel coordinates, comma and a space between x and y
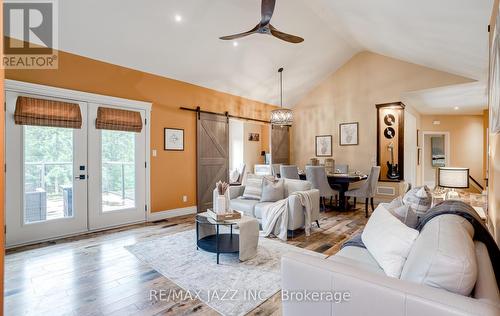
80, 177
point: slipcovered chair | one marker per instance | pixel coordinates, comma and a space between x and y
289, 172
317, 176
367, 190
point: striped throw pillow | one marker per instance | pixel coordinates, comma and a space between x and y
253, 187
419, 199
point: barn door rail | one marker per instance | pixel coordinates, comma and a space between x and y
226, 114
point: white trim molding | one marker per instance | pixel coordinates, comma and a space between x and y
158, 216
42, 90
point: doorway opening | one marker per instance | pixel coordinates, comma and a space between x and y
435, 154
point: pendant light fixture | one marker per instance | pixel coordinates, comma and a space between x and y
281, 116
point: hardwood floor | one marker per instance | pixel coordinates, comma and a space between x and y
94, 275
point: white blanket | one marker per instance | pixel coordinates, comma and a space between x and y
275, 217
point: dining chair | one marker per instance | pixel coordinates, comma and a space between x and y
342, 169
289, 172
367, 189
317, 176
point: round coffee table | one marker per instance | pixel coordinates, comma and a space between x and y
216, 242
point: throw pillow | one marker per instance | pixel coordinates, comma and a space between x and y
444, 255
406, 215
397, 202
388, 241
234, 176
253, 187
272, 190
419, 199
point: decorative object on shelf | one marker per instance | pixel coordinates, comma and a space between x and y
254, 137
494, 79
324, 146
314, 162
390, 141
281, 116
389, 119
348, 134
453, 178
174, 139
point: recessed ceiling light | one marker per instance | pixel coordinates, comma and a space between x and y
456, 108
178, 18
235, 44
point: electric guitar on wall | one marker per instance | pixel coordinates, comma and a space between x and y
392, 169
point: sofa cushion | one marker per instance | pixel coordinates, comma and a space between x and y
293, 185
244, 205
388, 240
419, 198
260, 208
444, 255
253, 187
272, 190
359, 255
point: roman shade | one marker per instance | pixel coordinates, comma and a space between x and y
42, 112
118, 120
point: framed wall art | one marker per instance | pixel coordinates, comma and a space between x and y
324, 146
348, 134
173, 139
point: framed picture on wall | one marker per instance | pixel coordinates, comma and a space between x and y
324, 146
348, 134
174, 139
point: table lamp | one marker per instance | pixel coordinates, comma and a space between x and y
453, 178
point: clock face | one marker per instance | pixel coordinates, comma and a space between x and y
389, 119
389, 133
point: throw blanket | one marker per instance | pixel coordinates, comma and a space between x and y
481, 232
275, 217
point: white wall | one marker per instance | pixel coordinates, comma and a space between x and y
252, 149
235, 144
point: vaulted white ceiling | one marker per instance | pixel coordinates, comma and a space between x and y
448, 35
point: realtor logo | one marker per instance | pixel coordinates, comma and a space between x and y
30, 34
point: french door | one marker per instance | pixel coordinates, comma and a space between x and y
63, 181
117, 180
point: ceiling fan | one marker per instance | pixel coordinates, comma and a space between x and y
265, 27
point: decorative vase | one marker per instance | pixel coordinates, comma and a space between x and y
221, 204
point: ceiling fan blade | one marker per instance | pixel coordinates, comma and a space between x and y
235, 36
267, 11
285, 37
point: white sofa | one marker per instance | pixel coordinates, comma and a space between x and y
255, 208
353, 270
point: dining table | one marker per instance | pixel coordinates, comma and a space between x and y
341, 182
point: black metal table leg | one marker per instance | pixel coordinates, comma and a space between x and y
197, 235
217, 243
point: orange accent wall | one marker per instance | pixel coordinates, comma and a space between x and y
173, 174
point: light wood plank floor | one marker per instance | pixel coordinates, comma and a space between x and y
94, 275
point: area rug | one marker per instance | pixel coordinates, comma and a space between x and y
230, 287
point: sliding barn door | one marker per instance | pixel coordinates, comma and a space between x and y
280, 145
212, 156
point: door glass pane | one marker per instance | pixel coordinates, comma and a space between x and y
118, 170
48, 173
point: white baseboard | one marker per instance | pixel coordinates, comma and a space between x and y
158, 216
